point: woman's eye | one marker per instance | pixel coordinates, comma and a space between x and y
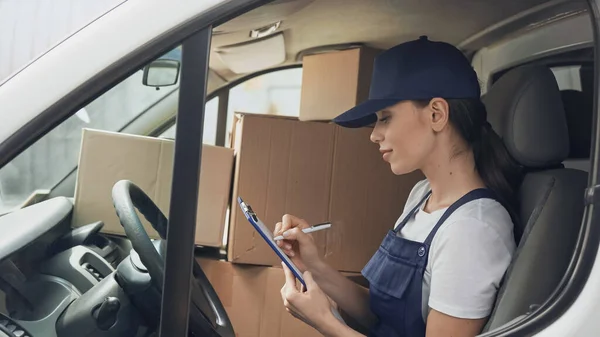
384, 119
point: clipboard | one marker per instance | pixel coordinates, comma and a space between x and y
268, 237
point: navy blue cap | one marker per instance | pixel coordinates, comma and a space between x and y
415, 70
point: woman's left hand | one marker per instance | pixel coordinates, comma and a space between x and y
311, 306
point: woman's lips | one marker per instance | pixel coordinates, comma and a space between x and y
386, 154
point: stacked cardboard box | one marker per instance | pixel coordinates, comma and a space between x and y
335, 82
107, 157
320, 172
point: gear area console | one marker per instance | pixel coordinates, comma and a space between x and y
52, 307
36, 306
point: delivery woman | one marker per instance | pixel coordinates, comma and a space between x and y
438, 271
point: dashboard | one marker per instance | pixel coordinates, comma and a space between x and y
48, 272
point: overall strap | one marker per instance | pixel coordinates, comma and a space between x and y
480, 193
411, 213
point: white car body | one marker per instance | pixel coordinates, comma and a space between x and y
92, 49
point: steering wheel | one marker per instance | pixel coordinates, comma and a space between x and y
207, 314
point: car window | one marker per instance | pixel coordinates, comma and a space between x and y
567, 77
274, 93
577, 92
209, 135
44, 164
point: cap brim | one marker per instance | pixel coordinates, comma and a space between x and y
363, 114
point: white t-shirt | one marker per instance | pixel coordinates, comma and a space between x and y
468, 256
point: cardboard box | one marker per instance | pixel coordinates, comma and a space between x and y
251, 296
107, 157
335, 82
320, 172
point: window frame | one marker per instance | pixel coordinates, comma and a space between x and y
179, 258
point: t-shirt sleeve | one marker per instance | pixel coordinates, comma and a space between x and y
468, 262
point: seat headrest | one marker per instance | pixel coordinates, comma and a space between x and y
525, 108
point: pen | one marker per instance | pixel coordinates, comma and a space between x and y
310, 229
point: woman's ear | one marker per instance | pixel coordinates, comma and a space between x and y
440, 114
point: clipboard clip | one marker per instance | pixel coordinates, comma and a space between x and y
247, 209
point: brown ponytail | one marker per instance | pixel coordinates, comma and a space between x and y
499, 171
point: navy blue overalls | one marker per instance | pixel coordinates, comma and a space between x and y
395, 274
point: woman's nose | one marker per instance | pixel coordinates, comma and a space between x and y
376, 136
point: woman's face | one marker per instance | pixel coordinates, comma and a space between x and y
405, 136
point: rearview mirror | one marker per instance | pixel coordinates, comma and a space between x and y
161, 73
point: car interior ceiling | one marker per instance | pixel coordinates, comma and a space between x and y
381, 24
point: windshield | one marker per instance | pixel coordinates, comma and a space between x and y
47, 162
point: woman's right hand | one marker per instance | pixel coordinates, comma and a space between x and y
299, 246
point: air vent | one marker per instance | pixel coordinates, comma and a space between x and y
93, 271
8, 325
